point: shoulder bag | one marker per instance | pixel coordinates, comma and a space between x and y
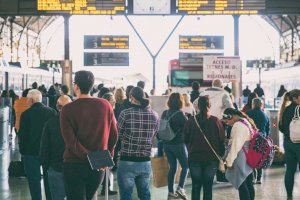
221, 162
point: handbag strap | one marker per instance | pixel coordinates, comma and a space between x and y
198, 125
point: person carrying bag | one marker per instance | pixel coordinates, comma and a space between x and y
204, 136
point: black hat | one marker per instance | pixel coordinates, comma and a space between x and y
139, 95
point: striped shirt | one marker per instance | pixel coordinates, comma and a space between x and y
137, 129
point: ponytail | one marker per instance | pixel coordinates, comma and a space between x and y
203, 105
285, 102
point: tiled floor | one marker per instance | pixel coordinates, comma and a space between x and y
271, 189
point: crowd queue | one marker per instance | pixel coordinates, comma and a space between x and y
206, 128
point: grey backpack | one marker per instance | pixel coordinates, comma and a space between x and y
165, 131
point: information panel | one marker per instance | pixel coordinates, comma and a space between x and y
224, 68
194, 59
220, 7
106, 59
85, 7
106, 42
199, 42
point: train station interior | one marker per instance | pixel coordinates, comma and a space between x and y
166, 44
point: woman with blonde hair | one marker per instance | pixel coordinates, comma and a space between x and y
188, 108
120, 98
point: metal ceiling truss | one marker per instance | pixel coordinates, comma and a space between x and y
48, 22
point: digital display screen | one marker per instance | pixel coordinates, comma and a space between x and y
199, 42
106, 59
106, 42
194, 59
220, 7
83, 7
184, 78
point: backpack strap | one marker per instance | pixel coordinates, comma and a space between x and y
248, 126
297, 114
170, 117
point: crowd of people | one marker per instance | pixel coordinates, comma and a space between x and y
207, 128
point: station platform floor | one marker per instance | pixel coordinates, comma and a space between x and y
272, 187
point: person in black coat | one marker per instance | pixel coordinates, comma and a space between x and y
292, 150
195, 92
51, 151
281, 91
259, 91
32, 122
246, 91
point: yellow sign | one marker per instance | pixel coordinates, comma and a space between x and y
220, 7
83, 7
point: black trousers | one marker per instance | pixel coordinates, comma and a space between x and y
81, 182
246, 190
257, 174
292, 158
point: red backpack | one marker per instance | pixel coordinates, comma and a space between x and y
261, 149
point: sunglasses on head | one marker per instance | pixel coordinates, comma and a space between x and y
226, 117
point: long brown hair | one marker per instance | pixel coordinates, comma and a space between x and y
204, 106
175, 101
286, 101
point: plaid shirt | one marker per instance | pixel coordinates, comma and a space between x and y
137, 129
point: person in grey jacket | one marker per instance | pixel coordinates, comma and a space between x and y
220, 99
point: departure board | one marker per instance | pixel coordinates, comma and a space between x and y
194, 59
220, 7
199, 42
106, 59
84, 7
106, 42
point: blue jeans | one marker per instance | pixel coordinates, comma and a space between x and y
176, 152
134, 173
202, 174
56, 184
32, 167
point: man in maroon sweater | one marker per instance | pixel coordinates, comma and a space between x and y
87, 124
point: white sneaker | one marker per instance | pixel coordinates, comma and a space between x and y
173, 196
181, 193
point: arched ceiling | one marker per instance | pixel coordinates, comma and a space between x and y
284, 23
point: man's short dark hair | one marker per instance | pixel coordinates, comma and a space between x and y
195, 85
128, 89
65, 89
34, 85
141, 84
101, 85
84, 80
